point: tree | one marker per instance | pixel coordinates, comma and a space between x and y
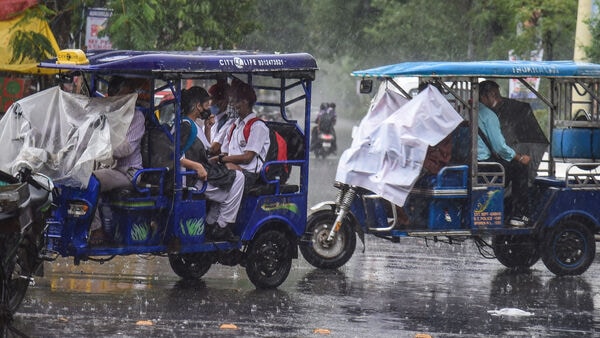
179, 24
593, 50
29, 44
546, 23
281, 25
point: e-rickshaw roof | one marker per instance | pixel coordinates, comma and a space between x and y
182, 62
501, 68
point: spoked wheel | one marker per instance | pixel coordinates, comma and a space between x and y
516, 252
191, 265
269, 259
569, 248
326, 254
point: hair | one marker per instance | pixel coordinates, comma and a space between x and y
219, 90
245, 91
190, 97
486, 87
115, 85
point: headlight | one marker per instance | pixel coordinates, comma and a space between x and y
78, 209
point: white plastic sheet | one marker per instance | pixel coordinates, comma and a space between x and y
387, 157
63, 135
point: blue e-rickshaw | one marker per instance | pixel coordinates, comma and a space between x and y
467, 200
163, 216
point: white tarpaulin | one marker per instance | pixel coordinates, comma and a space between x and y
387, 158
63, 135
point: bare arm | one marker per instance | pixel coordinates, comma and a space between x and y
198, 167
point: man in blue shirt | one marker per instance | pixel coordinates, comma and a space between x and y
515, 165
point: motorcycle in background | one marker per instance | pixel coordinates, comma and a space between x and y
25, 201
324, 140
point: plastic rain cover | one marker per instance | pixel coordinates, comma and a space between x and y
387, 158
63, 135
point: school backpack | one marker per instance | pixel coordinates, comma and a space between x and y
278, 151
157, 150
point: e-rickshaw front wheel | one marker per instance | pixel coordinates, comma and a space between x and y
324, 253
516, 251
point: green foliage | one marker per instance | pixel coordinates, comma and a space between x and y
593, 50
179, 24
27, 44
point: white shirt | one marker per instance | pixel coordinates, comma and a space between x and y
258, 142
219, 135
201, 135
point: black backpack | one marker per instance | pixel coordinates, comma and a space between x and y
157, 151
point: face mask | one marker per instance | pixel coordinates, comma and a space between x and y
214, 109
233, 112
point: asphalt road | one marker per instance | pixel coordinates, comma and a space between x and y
391, 290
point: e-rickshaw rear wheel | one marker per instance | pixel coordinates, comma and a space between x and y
269, 259
325, 254
191, 265
569, 248
516, 251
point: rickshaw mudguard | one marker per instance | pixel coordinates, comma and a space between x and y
557, 204
256, 212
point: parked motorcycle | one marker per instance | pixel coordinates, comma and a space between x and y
25, 201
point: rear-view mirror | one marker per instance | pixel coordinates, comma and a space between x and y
366, 86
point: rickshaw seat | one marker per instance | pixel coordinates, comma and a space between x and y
270, 189
550, 181
450, 180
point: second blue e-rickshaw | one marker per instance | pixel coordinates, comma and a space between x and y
467, 199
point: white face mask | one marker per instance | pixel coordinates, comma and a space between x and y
495, 103
233, 112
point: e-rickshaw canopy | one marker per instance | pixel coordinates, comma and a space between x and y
393, 179
184, 62
500, 68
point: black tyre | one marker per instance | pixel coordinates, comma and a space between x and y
269, 259
569, 248
325, 254
516, 252
192, 265
14, 281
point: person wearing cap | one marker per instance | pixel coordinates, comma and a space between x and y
219, 93
225, 187
238, 152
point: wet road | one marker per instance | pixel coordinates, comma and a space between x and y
390, 290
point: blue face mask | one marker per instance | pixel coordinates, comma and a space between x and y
214, 109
